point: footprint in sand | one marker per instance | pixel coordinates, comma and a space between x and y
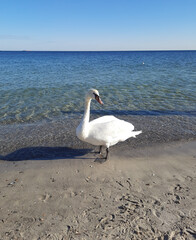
189, 178
156, 213
176, 194
45, 197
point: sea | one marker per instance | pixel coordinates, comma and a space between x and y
46, 90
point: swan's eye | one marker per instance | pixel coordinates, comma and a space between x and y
95, 95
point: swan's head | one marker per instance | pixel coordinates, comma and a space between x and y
94, 94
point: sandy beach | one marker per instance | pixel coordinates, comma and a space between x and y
53, 187
148, 194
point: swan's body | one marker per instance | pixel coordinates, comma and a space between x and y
104, 131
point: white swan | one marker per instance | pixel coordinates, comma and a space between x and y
104, 131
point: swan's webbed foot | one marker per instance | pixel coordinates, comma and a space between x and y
100, 160
104, 159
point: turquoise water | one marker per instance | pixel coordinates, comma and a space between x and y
48, 85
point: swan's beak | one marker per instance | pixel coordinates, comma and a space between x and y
98, 99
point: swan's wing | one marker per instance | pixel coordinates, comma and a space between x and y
111, 131
103, 119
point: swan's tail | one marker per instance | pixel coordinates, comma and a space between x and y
135, 133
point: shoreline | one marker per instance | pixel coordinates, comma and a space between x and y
49, 138
147, 194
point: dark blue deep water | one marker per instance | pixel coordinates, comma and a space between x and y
47, 85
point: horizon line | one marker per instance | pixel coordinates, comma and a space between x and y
147, 50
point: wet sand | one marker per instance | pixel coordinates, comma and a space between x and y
57, 139
51, 187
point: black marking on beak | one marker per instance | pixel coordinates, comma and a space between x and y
98, 99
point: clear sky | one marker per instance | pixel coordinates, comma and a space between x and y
97, 25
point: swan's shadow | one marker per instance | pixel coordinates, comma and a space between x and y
45, 153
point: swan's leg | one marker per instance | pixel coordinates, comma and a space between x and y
107, 153
102, 160
100, 148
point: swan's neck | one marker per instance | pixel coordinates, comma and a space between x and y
83, 130
86, 116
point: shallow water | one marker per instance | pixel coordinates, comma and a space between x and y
47, 85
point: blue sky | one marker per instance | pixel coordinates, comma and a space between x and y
97, 25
